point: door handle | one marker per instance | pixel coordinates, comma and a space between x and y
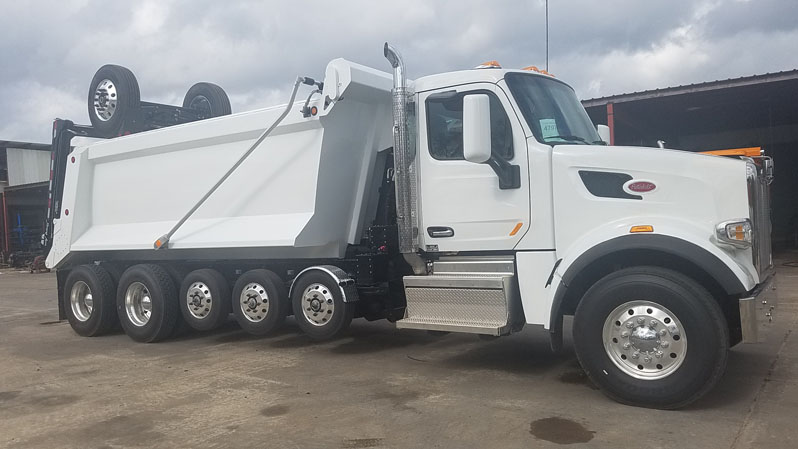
440, 231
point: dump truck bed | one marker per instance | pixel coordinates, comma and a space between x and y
304, 192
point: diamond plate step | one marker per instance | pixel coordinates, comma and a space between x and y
480, 303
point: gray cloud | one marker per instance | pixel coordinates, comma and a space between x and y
255, 48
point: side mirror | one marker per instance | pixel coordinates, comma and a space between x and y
604, 133
476, 128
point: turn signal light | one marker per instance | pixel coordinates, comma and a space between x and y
738, 233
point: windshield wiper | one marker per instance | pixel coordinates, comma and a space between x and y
569, 139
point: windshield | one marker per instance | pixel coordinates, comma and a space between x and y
552, 110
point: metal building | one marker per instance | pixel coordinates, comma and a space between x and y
24, 177
753, 111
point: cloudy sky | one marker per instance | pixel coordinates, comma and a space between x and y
254, 48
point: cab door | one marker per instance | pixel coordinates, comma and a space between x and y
466, 206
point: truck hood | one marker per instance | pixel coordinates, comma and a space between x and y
695, 171
675, 191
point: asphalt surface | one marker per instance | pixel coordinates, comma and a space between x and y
376, 387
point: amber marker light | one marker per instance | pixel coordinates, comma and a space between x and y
489, 65
533, 68
516, 229
642, 228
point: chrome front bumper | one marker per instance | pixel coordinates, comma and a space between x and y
756, 310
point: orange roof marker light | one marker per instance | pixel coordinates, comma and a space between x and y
533, 68
641, 228
489, 65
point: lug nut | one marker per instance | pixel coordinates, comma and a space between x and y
625, 334
630, 325
641, 320
647, 359
663, 332
658, 354
626, 346
653, 323
664, 344
636, 355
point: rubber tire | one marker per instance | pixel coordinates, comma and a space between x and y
103, 315
276, 294
220, 294
342, 316
704, 327
128, 100
165, 311
218, 102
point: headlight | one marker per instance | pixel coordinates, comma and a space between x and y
737, 233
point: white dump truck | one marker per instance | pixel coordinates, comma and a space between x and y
475, 201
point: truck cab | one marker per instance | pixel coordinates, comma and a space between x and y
593, 231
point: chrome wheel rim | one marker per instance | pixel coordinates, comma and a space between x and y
199, 300
645, 340
81, 301
105, 100
254, 302
138, 304
318, 305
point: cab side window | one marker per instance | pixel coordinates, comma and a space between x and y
445, 127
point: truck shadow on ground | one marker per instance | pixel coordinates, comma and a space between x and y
526, 353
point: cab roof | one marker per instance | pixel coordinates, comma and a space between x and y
448, 79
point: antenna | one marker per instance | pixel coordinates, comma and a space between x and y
547, 35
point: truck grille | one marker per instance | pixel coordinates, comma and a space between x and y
759, 173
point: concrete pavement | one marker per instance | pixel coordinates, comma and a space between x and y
376, 387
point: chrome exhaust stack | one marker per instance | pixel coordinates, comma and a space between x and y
404, 169
404, 165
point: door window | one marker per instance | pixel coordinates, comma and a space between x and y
445, 126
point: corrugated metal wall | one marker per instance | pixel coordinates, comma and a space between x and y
27, 166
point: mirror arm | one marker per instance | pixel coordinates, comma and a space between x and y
509, 174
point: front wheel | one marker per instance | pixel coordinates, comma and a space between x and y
651, 337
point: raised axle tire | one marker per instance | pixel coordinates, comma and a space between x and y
114, 100
204, 299
209, 98
319, 307
146, 302
89, 300
651, 337
260, 302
